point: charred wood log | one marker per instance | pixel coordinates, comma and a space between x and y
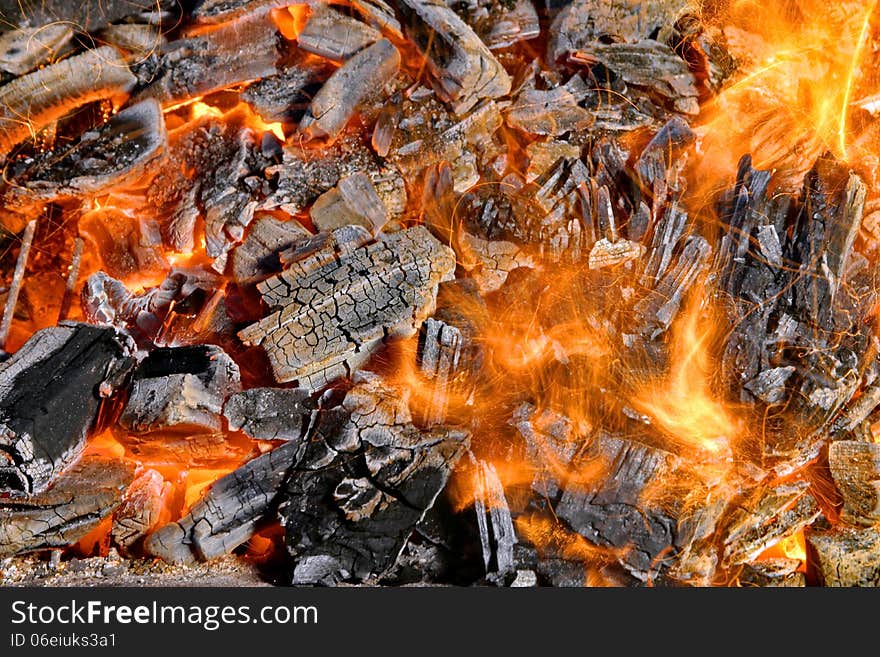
497, 534
180, 388
845, 557
353, 201
286, 96
774, 573
256, 257
138, 40
463, 67
855, 467
222, 11
25, 49
359, 77
88, 16
331, 314
271, 413
31, 102
60, 516
50, 397
140, 510
550, 446
334, 35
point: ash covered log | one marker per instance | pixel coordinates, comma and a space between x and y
87, 15
285, 96
497, 534
235, 52
334, 35
844, 556
333, 310
50, 396
60, 516
366, 480
774, 573
180, 388
361, 76
30, 103
855, 467
25, 49
233, 510
140, 510
271, 413
115, 154
137, 40
353, 201
464, 69
257, 256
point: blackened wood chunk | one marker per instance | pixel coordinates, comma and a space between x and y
361, 76
845, 557
353, 201
180, 388
773, 573
464, 69
115, 154
648, 66
257, 256
765, 517
140, 509
362, 487
334, 35
660, 154
330, 316
855, 467
271, 413
24, 49
613, 511
49, 93
70, 509
235, 507
285, 96
235, 52
50, 396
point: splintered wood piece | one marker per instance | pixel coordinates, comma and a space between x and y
234, 509
30, 103
50, 396
271, 413
140, 509
126, 245
659, 156
353, 201
24, 49
235, 52
257, 256
114, 155
764, 518
464, 69
439, 356
647, 65
180, 388
330, 316
497, 534
551, 112
855, 467
346, 522
361, 76
845, 557
334, 35
612, 511
27, 240
60, 516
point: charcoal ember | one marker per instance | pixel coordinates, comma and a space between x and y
88, 16
550, 445
439, 361
769, 385
353, 201
612, 511
844, 556
497, 534
271, 413
550, 112
221, 161
585, 22
50, 398
332, 34
464, 69
501, 24
657, 160
329, 316
137, 40
855, 468
140, 510
24, 49
696, 563
490, 261
127, 246
774, 573
362, 75
108, 301
257, 257
77, 502
380, 15
285, 96
235, 52
319, 250
234, 508
362, 486
763, 518
544, 154
648, 66
303, 175
114, 155
221, 11
48, 94
180, 389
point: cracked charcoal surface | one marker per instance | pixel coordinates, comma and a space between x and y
330, 318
